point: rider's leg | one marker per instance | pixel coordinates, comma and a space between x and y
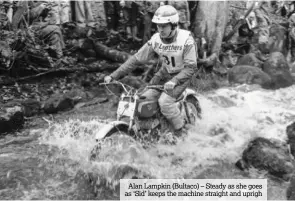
170, 108
171, 111
151, 94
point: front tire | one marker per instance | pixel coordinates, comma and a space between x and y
193, 110
112, 141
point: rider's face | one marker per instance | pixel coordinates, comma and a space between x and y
164, 30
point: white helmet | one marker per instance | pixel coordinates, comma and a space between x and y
166, 14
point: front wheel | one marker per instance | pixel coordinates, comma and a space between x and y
108, 145
193, 110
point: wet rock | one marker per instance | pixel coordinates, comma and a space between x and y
278, 69
87, 48
278, 39
62, 102
77, 95
31, 107
249, 75
291, 137
56, 103
271, 156
250, 60
11, 118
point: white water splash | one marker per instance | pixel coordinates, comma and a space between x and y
231, 118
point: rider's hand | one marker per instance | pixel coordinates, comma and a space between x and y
169, 85
107, 79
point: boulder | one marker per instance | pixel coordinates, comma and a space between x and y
249, 75
11, 118
56, 103
63, 102
278, 69
271, 156
291, 137
278, 39
31, 107
87, 48
250, 60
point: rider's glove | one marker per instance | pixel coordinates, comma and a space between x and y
107, 79
169, 85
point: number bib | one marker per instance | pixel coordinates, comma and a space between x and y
171, 54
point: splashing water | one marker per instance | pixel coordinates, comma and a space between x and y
57, 165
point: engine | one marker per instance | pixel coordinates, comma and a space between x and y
147, 108
150, 123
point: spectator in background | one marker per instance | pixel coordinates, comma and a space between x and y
82, 13
149, 8
292, 36
183, 11
130, 13
47, 29
261, 9
61, 9
112, 14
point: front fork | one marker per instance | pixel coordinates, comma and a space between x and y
186, 112
130, 125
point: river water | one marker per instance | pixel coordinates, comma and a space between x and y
55, 163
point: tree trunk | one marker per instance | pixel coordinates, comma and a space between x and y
210, 22
109, 53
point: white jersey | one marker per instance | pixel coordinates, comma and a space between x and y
172, 53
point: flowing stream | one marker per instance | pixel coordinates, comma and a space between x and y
55, 164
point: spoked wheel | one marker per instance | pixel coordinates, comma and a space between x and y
193, 110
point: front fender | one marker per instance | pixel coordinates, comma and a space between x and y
110, 128
190, 92
192, 95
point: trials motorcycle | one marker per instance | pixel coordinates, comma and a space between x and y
141, 118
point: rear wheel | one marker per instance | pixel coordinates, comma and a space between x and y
193, 110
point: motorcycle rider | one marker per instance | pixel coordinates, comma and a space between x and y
176, 47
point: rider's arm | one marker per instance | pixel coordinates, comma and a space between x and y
190, 61
144, 54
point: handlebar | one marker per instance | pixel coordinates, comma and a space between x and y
119, 83
156, 87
